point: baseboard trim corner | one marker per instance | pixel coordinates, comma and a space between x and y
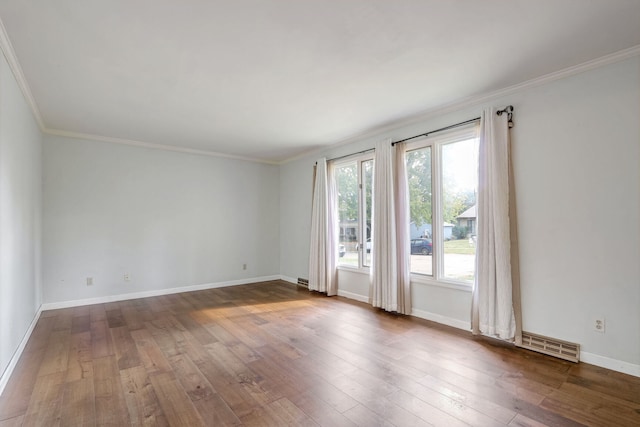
352, 295
155, 293
6, 375
608, 363
438, 318
289, 279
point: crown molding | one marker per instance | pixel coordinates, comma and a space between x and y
174, 148
475, 100
14, 65
16, 69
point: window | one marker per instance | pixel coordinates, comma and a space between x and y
442, 174
354, 179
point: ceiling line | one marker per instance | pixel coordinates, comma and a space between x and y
14, 65
16, 69
477, 99
152, 145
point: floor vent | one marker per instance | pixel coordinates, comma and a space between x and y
303, 282
551, 346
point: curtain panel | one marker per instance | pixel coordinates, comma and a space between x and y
389, 275
494, 297
323, 246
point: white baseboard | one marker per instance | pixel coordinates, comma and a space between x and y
613, 364
289, 279
438, 318
352, 295
460, 324
155, 293
4, 379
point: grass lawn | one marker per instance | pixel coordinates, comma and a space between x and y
459, 247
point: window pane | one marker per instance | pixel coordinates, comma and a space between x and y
459, 187
420, 205
367, 184
347, 186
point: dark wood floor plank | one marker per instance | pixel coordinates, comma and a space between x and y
262, 392
237, 347
133, 315
45, 405
56, 357
115, 318
275, 354
80, 323
232, 392
111, 406
101, 342
212, 408
142, 401
63, 319
174, 401
78, 404
149, 352
613, 383
125, 348
97, 312
198, 331
80, 359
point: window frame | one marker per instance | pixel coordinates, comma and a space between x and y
437, 142
359, 159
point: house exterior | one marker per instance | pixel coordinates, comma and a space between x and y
468, 219
425, 230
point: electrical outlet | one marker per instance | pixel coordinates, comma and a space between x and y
244, 266
127, 277
89, 281
598, 324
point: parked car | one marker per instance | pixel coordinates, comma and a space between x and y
341, 250
367, 245
421, 246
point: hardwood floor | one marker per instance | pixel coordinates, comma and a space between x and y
275, 354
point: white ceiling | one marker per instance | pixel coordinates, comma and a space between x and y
270, 79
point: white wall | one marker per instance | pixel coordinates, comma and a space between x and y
576, 155
20, 217
168, 219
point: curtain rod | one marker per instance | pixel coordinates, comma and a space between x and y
466, 122
508, 109
352, 154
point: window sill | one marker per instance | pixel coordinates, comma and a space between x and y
423, 280
416, 279
350, 269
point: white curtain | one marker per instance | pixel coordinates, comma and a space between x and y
492, 304
403, 235
390, 231
323, 246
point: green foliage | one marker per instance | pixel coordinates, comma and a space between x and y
456, 202
459, 247
421, 191
347, 185
419, 176
460, 232
420, 188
